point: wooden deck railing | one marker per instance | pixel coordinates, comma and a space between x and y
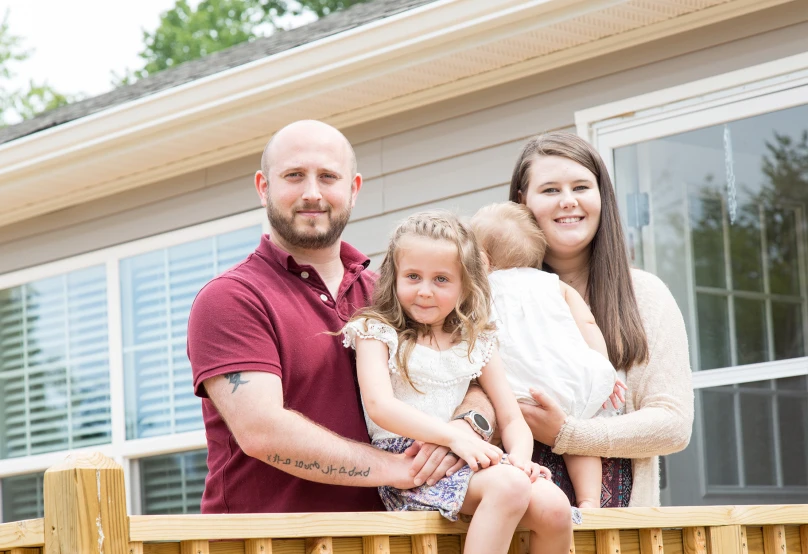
85, 512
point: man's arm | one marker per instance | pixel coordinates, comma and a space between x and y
477, 400
251, 403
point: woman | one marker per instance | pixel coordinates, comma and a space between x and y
564, 182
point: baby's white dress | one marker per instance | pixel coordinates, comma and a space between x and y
542, 347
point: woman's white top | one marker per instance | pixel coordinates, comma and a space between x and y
541, 345
441, 377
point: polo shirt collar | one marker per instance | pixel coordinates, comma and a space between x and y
349, 255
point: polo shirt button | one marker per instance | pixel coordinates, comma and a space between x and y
304, 274
324, 298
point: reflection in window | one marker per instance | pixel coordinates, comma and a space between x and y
744, 293
23, 497
173, 484
157, 290
54, 364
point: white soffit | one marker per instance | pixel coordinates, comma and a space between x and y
431, 53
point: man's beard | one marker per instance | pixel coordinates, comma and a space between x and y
284, 226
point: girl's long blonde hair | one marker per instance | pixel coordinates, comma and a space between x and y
471, 314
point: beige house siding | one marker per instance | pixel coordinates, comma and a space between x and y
456, 154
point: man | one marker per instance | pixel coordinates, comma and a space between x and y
282, 412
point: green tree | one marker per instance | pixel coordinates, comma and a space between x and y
186, 33
32, 99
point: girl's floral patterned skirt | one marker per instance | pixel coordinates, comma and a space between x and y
445, 496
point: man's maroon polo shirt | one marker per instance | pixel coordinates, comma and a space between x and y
269, 314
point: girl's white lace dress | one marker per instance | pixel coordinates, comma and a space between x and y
443, 379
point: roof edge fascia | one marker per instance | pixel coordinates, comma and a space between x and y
311, 69
375, 42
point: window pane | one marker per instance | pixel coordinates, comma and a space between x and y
750, 330
719, 436
707, 232
758, 438
793, 416
157, 290
783, 250
714, 347
173, 484
746, 250
788, 335
54, 364
723, 208
799, 383
23, 497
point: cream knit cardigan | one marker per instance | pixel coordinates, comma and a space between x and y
659, 401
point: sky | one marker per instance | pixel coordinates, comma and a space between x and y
78, 43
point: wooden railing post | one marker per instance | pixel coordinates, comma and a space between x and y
694, 540
319, 545
376, 545
85, 506
607, 541
258, 546
724, 539
774, 539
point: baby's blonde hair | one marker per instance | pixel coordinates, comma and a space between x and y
509, 235
470, 316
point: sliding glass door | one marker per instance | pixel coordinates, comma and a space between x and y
714, 202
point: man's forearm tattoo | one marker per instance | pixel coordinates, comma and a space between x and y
326, 469
235, 380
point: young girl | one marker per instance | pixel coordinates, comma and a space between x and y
425, 336
548, 338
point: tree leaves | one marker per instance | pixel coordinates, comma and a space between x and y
186, 33
31, 100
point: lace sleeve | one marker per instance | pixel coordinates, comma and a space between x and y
483, 349
372, 329
488, 342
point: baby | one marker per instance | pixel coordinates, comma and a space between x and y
548, 338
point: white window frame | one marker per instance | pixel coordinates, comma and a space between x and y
124, 451
748, 92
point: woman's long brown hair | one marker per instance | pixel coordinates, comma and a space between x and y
609, 286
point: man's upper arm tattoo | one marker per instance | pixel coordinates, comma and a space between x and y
235, 380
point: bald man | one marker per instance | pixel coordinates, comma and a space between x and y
282, 412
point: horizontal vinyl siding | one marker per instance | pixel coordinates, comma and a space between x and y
457, 154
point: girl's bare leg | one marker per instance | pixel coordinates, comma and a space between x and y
586, 474
549, 519
497, 498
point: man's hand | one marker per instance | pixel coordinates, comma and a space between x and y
432, 462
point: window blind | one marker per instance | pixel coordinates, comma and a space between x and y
23, 497
173, 484
157, 290
54, 364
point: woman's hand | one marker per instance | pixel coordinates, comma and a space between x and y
546, 419
477, 453
617, 397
